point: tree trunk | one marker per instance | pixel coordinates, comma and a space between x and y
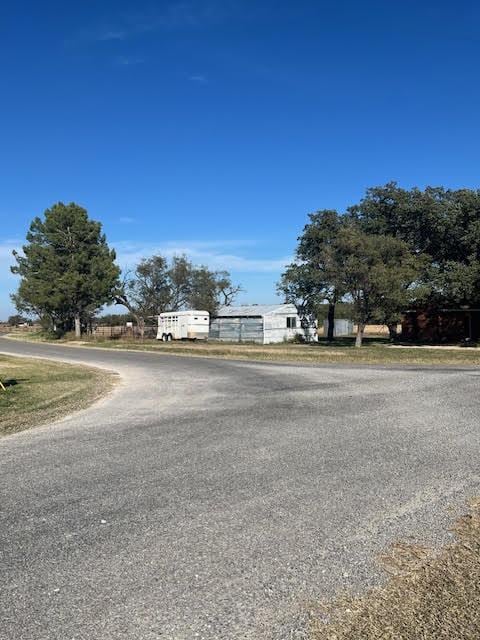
392, 330
140, 320
78, 328
359, 337
331, 322
141, 325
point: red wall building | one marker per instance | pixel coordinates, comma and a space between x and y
441, 325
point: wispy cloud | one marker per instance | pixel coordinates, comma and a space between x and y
198, 78
178, 15
216, 255
126, 220
127, 61
104, 36
169, 17
232, 255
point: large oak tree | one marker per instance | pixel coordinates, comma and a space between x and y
442, 224
379, 274
338, 261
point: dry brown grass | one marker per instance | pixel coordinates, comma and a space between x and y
374, 351
39, 391
429, 596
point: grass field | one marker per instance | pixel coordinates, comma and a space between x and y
374, 351
38, 391
430, 596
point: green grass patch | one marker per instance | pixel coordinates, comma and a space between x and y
39, 391
431, 595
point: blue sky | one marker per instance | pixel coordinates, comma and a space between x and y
214, 128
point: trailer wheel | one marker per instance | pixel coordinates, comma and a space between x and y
164, 337
169, 337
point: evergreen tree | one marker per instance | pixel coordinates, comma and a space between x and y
67, 269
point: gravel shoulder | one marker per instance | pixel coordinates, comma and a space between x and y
216, 499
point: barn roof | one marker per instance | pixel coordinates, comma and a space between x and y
250, 310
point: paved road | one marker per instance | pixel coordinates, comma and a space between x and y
215, 499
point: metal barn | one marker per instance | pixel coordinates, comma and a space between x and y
262, 323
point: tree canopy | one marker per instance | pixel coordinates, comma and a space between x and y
157, 285
373, 256
379, 274
66, 268
315, 276
68, 273
442, 224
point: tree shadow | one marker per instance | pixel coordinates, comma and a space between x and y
12, 382
349, 341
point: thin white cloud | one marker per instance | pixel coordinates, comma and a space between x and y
117, 34
169, 17
128, 61
199, 79
230, 255
126, 220
176, 15
214, 255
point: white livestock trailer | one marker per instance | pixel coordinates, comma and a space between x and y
183, 325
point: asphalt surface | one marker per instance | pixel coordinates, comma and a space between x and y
218, 499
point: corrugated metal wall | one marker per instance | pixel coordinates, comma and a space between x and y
237, 329
342, 327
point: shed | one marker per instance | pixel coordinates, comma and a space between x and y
262, 323
341, 327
